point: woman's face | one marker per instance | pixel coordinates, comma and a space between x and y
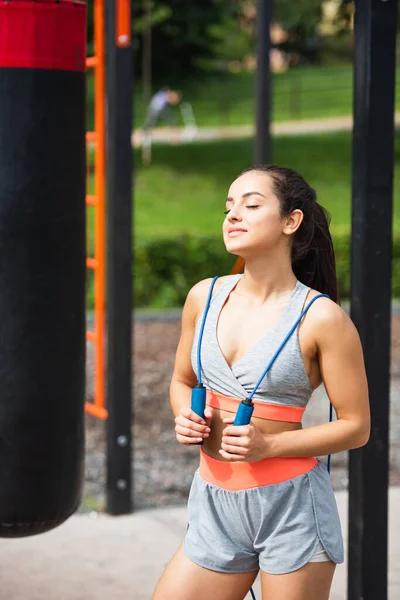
253, 222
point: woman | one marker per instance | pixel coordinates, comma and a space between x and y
259, 500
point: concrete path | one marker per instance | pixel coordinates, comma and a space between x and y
96, 557
176, 135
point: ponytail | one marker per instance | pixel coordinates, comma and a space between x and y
313, 257
314, 263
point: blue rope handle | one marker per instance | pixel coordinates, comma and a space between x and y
202, 328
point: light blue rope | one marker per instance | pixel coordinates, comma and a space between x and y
273, 359
275, 356
202, 329
330, 421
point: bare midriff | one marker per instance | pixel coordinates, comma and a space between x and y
212, 444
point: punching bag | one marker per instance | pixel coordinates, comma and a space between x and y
42, 263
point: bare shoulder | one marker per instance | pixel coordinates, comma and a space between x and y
328, 318
198, 294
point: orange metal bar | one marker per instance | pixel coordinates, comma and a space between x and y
91, 61
91, 136
238, 266
96, 411
91, 200
99, 285
91, 263
123, 23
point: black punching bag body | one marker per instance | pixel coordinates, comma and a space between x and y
42, 263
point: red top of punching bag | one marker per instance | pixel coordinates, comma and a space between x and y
43, 34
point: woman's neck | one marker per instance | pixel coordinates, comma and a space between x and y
267, 279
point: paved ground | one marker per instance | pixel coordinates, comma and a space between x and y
105, 558
176, 135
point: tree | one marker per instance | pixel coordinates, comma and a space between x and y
182, 34
300, 19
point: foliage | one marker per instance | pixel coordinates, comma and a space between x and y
187, 37
181, 36
166, 269
301, 17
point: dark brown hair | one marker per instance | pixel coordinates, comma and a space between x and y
313, 258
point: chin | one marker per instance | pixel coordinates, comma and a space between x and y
235, 248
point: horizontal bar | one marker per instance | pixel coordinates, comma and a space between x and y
92, 263
91, 336
96, 411
91, 200
91, 136
91, 61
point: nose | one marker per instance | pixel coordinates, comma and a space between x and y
234, 215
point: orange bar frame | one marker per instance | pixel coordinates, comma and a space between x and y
123, 23
97, 263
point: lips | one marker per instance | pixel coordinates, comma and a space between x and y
235, 231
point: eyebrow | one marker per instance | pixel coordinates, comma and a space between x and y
246, 195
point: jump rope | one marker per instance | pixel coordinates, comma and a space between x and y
246, 407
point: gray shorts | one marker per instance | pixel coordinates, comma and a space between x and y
277, 528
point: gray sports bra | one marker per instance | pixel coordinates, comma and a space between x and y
286, 383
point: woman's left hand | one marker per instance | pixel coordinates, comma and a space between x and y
245, 443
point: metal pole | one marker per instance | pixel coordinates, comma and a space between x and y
373, 141
262, 149
119, 253
146, 52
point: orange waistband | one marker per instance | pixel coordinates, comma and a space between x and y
262, 410
236, 476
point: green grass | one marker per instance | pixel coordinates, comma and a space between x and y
300, 93
184, 190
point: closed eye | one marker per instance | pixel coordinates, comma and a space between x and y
251, 206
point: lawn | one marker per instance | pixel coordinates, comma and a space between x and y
300, 93
183, 193
184, 190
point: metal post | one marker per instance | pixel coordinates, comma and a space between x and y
119, 253
146, 53
262, 149
373, 140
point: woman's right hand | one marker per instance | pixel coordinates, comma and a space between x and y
190, 428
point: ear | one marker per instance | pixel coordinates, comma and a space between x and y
292, 222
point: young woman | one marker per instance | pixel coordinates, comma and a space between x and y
260, 500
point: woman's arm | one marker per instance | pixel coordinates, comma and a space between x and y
183, 377
190, 428
342, 368
343, 374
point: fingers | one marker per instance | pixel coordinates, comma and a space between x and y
239, 442
189, 424
240, 450
208, 413
190, 428
238, 430
188, 413
187, 440
232, 457
190, 431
